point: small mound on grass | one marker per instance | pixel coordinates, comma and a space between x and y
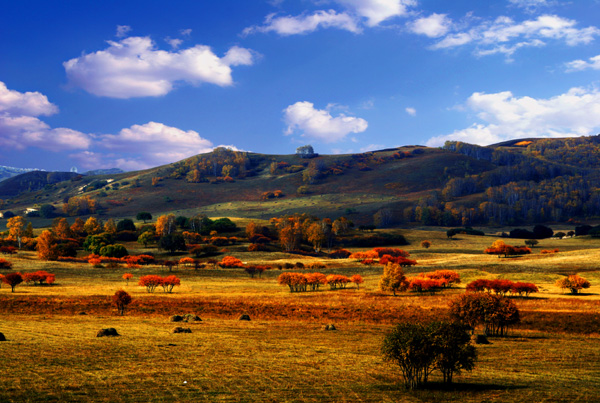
111, 331
188, 317
2, 338
480, 339
245, 317
180, 329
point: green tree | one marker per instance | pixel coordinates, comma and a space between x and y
145, 238
143, 216
126, 224
172, 243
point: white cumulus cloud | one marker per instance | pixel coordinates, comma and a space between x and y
153, 144
319, 124
25, 103
20, 128
411, 111
133, 67
579, 65
434, 26
504, 116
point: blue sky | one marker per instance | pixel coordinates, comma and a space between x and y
135, 84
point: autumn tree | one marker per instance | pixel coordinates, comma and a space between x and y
500, 248
165, 225
16, 228
169, 282
150, 281
13, 280
61, 228
78, 228
127, 277
425, 244
121, 299
316, 236
92, 226
573, 283
45, 246
393, 279
110, 226
357, 279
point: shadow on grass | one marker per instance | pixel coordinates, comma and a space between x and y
467, 387
443, 387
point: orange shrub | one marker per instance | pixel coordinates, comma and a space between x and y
151, 281
230, 261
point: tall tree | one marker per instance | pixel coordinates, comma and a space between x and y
16, 228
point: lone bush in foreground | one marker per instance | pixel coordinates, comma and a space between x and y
574, 283
420, 349
121, 300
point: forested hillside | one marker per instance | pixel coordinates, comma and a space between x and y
514, 183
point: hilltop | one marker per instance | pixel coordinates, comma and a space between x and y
512, 183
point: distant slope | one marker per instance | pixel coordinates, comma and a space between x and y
9, 172
513, 183
31, 182
108, 171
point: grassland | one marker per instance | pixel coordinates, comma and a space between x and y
284, 354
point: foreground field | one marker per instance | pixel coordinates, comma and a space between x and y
284, 354
57, 358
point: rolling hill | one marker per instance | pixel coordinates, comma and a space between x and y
513, 183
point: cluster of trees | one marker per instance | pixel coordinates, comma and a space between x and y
502, 287
301, 282
495, 312
500, 248
433, 281
574, 283
545, 183
151, 281
420, 349
39, 277
221, 163
294, 229
80, 205
384, 256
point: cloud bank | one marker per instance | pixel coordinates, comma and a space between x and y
505, 116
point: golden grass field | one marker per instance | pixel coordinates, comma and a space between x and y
284, 354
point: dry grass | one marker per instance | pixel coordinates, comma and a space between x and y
283, 354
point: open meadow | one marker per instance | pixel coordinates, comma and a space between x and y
284, 354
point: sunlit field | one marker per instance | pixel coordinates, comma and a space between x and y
284, 354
